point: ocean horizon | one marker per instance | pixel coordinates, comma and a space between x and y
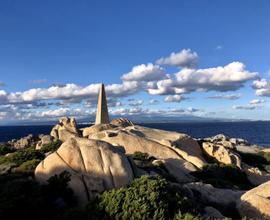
255, 132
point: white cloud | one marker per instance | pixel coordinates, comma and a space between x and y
153, 101
262, 87
136, 103
253, 104
174, 98
256, 101
149, 72
228, 78
156, 112
68, 92
185, 58
226, 96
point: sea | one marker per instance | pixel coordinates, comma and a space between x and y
256, 132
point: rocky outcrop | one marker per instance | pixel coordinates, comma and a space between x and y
181, 153
207, 194
65, 129
122, 122
45, 139
223, 200
223, 140
96, 128
255, 203
94, 166
23, 142
187, 147
221, 153
255, 175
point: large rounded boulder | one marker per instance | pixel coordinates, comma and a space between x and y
255, 203
180, 153
94, 166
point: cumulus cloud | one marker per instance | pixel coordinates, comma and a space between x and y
185, 58
68, 92
223, 78
149, 72
226, 96
262, 87
174, 98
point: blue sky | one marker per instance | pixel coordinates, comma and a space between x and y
54, 53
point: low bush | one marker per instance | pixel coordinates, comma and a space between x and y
253, 159
140, 156
50, 147
21, 156
224, 176
267, 157
23, 198
149, 197
4, 149
257, 160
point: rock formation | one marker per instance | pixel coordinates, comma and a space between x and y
96, 128
121, 122
65, 129
94, 166
181, 153
23, 142
255, 203
221, 153
102, 116
45, 139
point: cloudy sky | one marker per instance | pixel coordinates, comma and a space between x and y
168, 58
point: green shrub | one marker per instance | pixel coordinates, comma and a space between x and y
4, 149
267, 157
23, 198
223, 176
22, 156
149, 197
51, 147
186, 216
253, 159
257, 160
140, 156
28, 167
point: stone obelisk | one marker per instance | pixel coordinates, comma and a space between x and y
102, 116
